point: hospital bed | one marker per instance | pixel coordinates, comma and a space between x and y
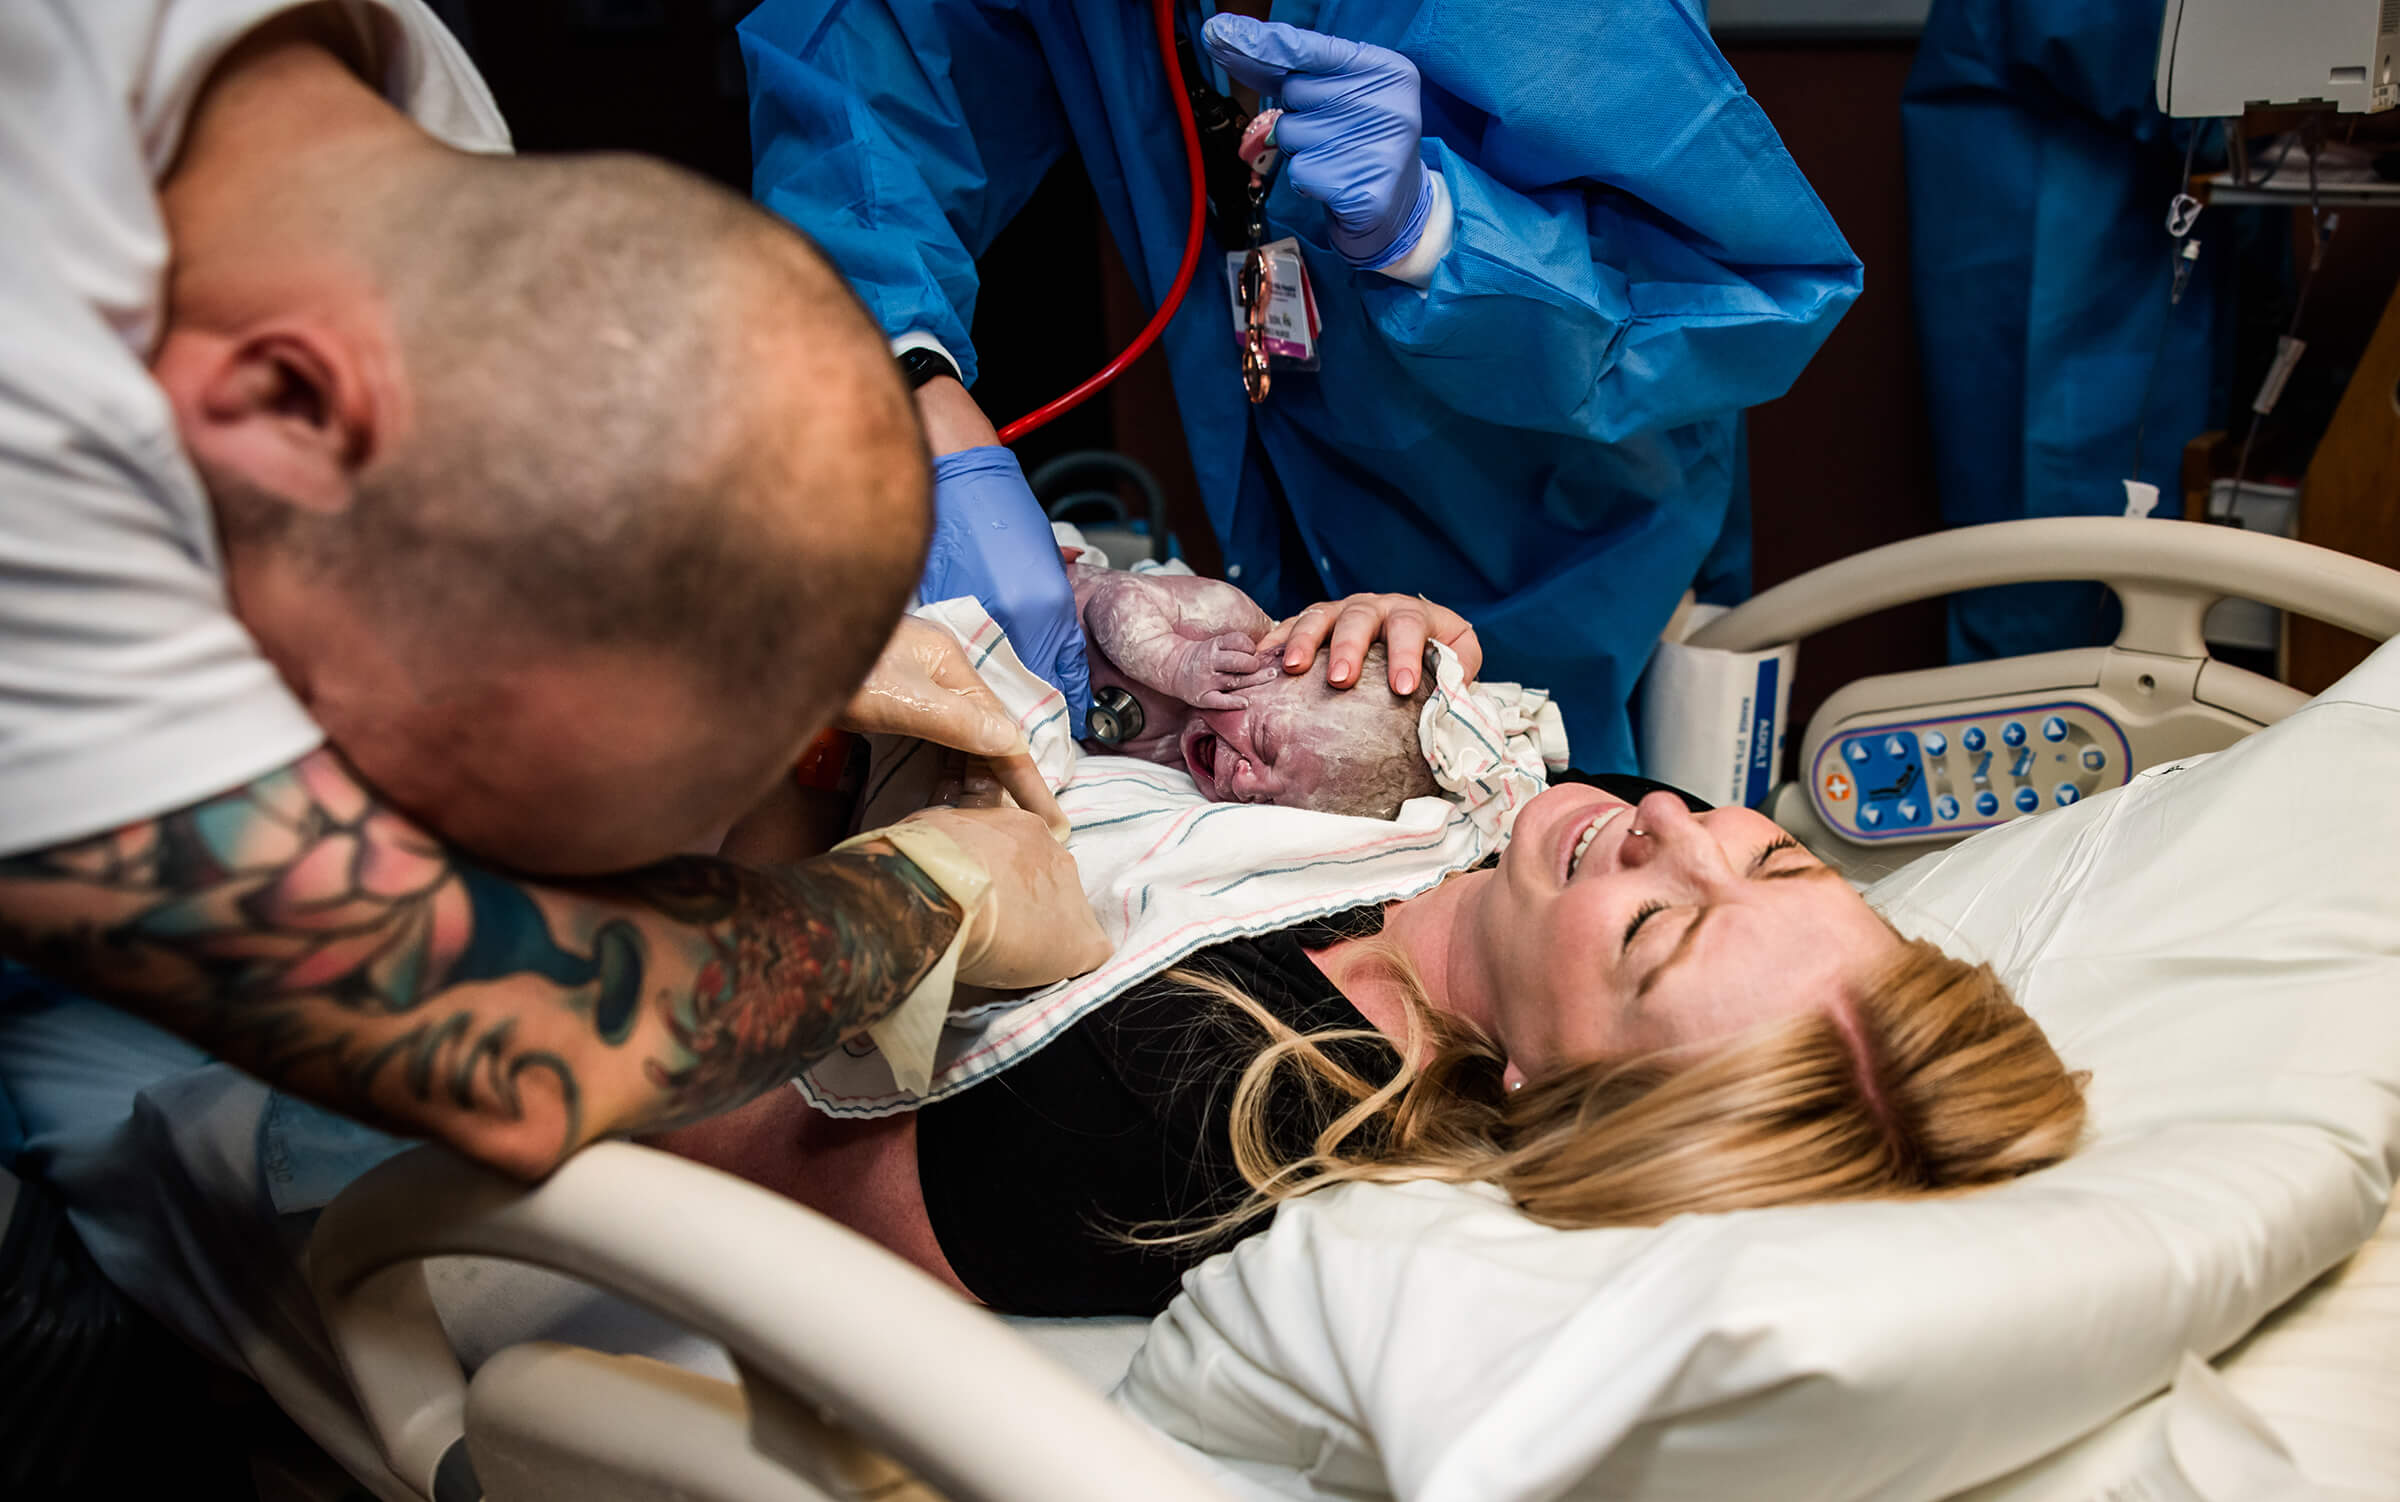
804, 1363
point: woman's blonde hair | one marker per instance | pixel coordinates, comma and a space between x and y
1932, 1080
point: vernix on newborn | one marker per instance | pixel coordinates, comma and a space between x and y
1186, 650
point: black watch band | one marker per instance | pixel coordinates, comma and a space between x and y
921, 364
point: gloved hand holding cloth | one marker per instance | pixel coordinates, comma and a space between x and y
1349, 133
1025, 919
923, 687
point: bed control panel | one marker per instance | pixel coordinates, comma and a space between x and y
1950, 775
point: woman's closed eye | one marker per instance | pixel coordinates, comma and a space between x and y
1766, 867
1774, 848
1649, 910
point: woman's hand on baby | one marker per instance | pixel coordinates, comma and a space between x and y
1211, 673
923, 686
1034, 925
1347, 627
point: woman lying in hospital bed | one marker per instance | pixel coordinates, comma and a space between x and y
1636, 1010
2216, 942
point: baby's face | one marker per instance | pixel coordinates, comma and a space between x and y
1297, 743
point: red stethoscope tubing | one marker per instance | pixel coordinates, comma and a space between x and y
1164, 12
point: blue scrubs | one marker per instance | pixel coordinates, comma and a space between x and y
2039, 172
1545, 438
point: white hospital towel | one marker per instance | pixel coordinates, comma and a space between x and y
1167, 871
1492, 746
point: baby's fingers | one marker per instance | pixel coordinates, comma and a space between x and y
1231, 663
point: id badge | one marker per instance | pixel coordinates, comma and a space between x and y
1292, 321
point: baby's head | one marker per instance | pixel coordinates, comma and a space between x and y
1301, 743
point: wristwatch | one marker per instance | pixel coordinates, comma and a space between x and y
919, 365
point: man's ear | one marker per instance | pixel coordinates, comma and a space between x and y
287, 409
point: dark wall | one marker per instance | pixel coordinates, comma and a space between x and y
665, 77
661, 76
1844, 462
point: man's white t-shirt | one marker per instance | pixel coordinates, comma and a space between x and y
127, 688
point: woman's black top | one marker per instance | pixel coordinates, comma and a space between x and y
1123, 1123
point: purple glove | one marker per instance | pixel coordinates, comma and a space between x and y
1350, 129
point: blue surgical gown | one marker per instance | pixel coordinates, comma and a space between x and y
1546, 437
2039, 173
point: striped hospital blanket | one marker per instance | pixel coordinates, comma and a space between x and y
1167, 871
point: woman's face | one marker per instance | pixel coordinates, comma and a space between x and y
1603, 943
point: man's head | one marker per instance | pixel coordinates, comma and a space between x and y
1299, 742
571, 495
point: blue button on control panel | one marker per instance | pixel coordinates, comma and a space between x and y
1898, 779
1884, 789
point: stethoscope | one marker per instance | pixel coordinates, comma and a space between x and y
1116, 717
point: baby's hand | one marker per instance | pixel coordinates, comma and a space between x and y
1211, 673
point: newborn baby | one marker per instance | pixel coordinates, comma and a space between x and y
1186, 650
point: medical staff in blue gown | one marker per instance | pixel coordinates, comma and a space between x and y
1595, 253
2039, 174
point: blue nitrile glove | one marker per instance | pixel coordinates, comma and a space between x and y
991, 540
1349, 131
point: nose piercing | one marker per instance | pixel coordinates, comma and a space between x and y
1642, 832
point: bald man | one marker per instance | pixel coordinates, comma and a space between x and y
382, 518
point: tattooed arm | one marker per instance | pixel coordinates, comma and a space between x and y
305, 931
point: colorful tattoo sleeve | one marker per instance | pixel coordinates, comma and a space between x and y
304, 930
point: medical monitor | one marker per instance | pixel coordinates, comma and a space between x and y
2219, 57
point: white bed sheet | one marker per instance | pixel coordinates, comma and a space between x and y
2315, 1410
2219, 944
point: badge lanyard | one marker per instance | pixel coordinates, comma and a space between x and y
1252, 287
1274, 308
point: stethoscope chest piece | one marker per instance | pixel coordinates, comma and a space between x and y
1116, 717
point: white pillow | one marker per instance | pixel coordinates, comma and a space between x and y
2219, 944
2302, 1408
